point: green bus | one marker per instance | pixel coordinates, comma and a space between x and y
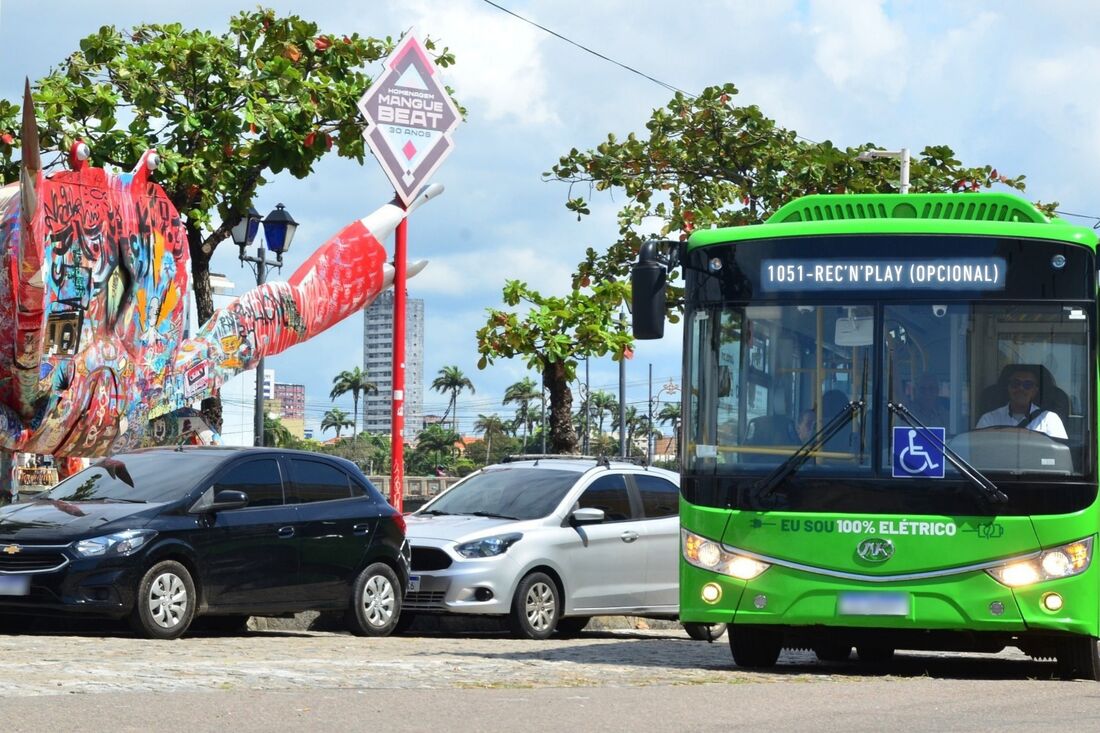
888, 428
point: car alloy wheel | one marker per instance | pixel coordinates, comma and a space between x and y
536, 607
540, 606
378, 601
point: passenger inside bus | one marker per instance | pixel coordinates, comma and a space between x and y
1034, 401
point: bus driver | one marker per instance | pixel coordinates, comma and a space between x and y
1021, 411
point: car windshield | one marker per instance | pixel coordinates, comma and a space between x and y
510, 491
159, 476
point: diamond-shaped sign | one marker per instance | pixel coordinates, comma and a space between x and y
409, 117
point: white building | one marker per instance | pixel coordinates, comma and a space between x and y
378, 363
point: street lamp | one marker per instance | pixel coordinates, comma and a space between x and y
902, 154
671, 388
279, 229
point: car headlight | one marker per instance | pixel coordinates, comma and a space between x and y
1057, 562
488, 546
709, 555
119, 543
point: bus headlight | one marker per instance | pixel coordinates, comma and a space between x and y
1057, 562
709, 555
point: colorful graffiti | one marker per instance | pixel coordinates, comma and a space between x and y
94, 291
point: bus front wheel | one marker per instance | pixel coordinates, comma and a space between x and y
755, 647
1079, 658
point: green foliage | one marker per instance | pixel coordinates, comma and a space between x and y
354, 381
452, 380
335, 419
276, 434
701, 162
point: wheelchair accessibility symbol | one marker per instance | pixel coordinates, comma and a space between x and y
916, 454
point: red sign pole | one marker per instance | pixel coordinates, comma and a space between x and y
397, 416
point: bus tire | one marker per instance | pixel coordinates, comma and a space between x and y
874, 653
1079, 658
755, 648
832, 651
704, 632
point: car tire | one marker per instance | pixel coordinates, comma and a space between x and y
755, 648
375, 601
572, 625
1079, 658
536, 607
165, 602
833, 651
874, 653
704, 632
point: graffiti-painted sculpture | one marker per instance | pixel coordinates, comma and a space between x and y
93, 304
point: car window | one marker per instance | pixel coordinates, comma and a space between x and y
514, 491
608, 493
149, 476
260, 479
317, 481
660, 497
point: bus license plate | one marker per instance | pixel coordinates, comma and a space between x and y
15, 585
873, 604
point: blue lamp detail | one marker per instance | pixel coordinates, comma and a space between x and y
245, 231
279, 228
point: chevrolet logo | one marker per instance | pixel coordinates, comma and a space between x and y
12, 550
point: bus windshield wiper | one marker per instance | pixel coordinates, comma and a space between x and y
767, 485
987, 488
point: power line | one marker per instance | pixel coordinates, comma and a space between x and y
586, 49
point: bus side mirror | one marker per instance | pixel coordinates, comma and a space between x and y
648, 298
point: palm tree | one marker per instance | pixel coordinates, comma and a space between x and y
354, 381
488, 426
451, 379
336, 419
436, 439
670, 415
523, 393
276, 434
603, 402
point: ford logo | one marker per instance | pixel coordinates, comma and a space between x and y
874, 549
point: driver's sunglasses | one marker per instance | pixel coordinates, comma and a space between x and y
1022, 384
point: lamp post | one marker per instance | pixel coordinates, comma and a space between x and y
655, 399
902, 155
279, 228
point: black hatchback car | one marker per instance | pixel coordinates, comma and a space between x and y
162, 536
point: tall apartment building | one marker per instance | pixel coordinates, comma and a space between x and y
292, 401
378, 363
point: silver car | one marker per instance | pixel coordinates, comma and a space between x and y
550, 542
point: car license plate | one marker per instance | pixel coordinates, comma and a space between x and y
414, 583
15, 585
873, 604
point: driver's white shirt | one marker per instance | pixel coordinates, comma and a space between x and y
1045, 422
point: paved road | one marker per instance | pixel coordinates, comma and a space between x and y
272, 680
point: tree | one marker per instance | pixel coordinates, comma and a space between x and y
703, 161
224, 112
436, 440
276, 434
602, 403
336, 419
522, 394
451, 379
354, 381
489, 426
670, 415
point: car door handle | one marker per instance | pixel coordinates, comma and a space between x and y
286, 532
628, 536
361, 529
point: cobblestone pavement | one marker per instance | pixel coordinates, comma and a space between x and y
64, 663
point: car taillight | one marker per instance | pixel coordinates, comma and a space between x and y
399, 520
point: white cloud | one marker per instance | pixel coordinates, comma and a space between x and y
859, 48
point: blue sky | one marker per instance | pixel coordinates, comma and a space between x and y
1001, 83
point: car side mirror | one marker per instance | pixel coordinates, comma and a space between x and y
228, 499
587, 515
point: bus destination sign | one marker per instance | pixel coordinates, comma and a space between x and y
986, 273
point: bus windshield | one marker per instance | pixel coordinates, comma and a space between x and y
1003, 385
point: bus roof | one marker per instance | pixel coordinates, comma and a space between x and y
974, 214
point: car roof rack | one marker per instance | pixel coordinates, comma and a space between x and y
604, 461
